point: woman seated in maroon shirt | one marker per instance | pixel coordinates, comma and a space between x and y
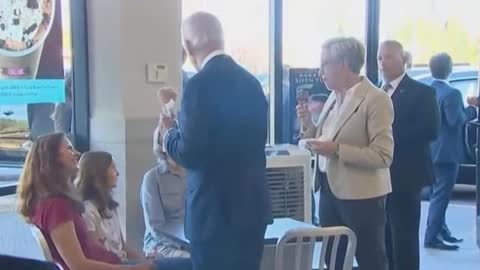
48, 200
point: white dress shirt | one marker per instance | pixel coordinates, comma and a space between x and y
211, 56
393, 85
440, 80
328, 126
327, 134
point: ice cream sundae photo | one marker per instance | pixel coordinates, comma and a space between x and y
24, 25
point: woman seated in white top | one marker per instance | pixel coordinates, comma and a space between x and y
96, 178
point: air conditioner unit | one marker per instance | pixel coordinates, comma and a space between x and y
289, 177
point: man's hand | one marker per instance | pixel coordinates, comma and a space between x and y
472, 101
303, 113
326, 148
166, 94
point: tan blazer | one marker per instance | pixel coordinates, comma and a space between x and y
364, 134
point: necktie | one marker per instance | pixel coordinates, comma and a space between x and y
387, 87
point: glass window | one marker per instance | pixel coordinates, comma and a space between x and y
433, 26
246, 38
307, 24
35, 73
467, 88
36, 79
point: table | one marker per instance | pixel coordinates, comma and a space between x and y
274, 232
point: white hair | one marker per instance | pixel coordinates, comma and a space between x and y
348, 50
203, 30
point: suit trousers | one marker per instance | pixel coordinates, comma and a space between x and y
232, 251
445, 179
402, 231
365, 217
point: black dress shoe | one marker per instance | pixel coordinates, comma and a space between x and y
451, 239
440, 245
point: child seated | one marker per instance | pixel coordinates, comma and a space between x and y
96, 179
163, 201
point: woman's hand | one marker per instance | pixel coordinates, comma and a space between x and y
323, 148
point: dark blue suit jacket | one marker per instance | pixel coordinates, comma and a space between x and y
415, 127
221, 142
449, 146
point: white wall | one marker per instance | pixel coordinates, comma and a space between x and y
123, 36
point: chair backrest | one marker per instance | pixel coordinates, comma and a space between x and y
38, 235
17, 263
300, 243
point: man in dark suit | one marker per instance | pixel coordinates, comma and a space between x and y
447, 152
185, 76
415, 126
221, 142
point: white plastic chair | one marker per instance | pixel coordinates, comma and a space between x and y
300, 244
42, 242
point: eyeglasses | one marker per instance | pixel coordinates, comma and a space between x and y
324, 64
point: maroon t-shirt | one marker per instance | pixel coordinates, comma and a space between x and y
51, 212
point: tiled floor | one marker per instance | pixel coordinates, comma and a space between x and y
461, 220
16, 239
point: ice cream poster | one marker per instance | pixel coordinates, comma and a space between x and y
306, 86
31, 53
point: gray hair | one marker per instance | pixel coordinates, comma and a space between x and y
348, 50
203, 30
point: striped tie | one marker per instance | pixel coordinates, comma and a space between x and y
387, 87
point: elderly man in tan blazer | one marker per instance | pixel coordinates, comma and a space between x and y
354, 146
